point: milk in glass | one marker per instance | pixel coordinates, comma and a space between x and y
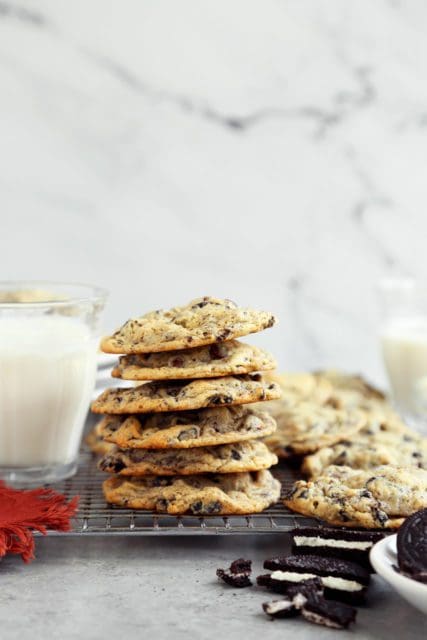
404, 343
47, 376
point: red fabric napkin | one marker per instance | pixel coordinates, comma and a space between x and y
25, 511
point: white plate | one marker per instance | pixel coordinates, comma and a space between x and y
383, 558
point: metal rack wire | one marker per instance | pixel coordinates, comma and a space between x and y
96, 517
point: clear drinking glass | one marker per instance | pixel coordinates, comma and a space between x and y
404, 346
48, 348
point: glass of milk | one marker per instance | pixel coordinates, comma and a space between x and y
48, 350
404, 344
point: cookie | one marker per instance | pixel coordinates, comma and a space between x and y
184, 429
346, 544
412, 546
295, 596
374, 445
181, 395
350, 382
297, 388
203, 321
284, 608
307, 427
334, 615
226, 458
342, 496
238, 573
218, 359
342, 580
234, 493
96, 443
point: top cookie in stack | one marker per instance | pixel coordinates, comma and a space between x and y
186, 440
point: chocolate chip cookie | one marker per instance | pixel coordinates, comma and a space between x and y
306, 427
96, 443
379, 498
296, 388
185, 429
350, 382
180, 395
203, 321
210, 494
227, 458
211, 361
379, 443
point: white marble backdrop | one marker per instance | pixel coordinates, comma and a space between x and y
271, 151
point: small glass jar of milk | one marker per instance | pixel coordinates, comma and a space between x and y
404, 344
48, 353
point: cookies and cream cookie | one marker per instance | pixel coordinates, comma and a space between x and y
379, 498
210, 361
202, 321
185, 429
94, 440
180, 395
377, 444
211, 494
226, 458
306, 427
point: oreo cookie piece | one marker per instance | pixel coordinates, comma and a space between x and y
412, 546
346, 544
342, 580
284, 608
306, 588
238, 574
328, 613
295, 597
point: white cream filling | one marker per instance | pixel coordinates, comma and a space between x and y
308, 541
327, 581
279, 605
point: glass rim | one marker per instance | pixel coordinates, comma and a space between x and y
94, 293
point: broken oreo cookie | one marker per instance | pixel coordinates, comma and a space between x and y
238, 574
335, 615
412, 546
306, 598
284, 608
294, 598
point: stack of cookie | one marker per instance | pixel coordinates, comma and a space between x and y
185, 439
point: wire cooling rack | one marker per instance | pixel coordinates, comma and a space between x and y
96, 517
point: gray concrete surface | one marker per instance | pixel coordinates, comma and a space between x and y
164, 588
